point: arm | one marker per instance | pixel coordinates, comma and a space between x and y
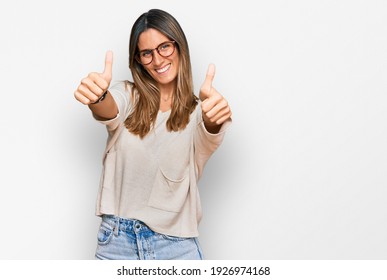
215, 108
206, 142
213, 121
93, 87
106, 109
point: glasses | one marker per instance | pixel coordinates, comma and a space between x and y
165, 49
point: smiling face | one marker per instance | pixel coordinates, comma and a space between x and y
163, 69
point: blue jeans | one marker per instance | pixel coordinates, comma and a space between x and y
126, 239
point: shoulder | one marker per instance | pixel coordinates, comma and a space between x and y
122, 87
123, 94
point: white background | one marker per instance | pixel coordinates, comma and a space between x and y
301, 173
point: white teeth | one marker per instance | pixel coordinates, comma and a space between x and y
164, 69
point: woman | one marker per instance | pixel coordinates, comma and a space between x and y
159, 141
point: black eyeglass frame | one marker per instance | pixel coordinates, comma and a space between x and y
138, 54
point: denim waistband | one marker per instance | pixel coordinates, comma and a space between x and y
124, 224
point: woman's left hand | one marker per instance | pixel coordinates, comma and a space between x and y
215, 107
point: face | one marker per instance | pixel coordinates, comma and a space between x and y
163, 69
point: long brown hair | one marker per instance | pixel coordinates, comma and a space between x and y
145, 89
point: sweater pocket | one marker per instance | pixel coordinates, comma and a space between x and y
170, 190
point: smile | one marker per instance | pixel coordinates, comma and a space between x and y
164, 69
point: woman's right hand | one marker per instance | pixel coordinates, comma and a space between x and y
95, 84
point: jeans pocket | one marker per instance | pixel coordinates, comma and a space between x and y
173, 238
105, 234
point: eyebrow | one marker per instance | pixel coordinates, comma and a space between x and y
154, 48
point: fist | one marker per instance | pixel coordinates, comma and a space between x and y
95, 84
215, 107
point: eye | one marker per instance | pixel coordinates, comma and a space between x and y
165, 46
146, 53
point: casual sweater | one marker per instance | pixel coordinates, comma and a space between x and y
154, 179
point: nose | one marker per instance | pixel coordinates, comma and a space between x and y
157, 58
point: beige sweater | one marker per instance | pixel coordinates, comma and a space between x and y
155, 179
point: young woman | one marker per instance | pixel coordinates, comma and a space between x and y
160, 135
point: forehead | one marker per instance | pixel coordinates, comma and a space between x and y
150, 39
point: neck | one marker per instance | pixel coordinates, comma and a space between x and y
165, 97
167, 89
166, 93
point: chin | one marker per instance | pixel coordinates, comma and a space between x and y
165, 80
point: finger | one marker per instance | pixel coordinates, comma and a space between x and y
83, 90
211, 102
107, 72
220, 116
213, 117
99, 80
81, 98
210, 76
220, 108
206, 88
93, 85
224, 118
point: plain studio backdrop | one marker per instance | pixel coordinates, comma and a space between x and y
301, 173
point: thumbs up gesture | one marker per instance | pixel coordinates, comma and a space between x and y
215, 107
95, 84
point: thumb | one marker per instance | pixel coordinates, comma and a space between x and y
107, 72
207, 84
209, 76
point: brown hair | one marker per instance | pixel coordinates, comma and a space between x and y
147, 99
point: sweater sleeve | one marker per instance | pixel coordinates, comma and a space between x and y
206, 143
120, 92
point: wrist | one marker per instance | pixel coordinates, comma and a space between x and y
212, 127
101, 98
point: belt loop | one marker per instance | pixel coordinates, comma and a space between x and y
116, 227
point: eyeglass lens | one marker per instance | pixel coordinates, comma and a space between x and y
164, 49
